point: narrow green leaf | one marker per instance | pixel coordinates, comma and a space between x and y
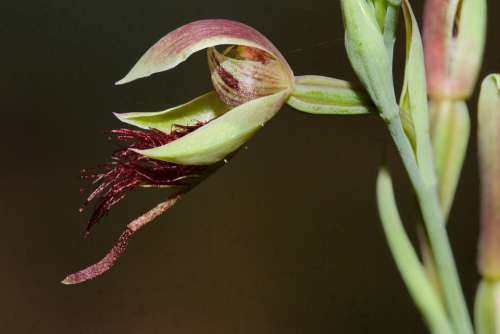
201, 109
214, 141
407, 260
327, 96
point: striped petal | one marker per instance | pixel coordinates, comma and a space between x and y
242, 73
201, 109
319, 95
178, 45
222, 136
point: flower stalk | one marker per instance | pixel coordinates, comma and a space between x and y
454, 37
367, 53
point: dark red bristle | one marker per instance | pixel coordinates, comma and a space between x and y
128, 170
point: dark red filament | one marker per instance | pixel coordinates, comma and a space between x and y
128, 170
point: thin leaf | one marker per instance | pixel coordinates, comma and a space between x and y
367, 53
407, 260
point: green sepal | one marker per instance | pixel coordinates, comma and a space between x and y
327, 96
414, 97
368, 55
217, 139
201, 109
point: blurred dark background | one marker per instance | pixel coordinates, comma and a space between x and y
285, 239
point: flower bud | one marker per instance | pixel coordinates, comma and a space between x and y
454, 38
450, 129
368, 54
489, 162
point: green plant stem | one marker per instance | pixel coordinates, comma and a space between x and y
436, 231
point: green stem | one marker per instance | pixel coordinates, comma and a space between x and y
436, 230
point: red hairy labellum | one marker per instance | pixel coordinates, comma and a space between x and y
129, 170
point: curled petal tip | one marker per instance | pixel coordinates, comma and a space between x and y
181, 43
121, 81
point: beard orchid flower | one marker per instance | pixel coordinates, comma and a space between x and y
179, 147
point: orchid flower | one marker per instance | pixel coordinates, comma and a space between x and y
180, 146
177, 147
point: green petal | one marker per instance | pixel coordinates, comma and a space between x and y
214, 141
201, 109
328, 96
